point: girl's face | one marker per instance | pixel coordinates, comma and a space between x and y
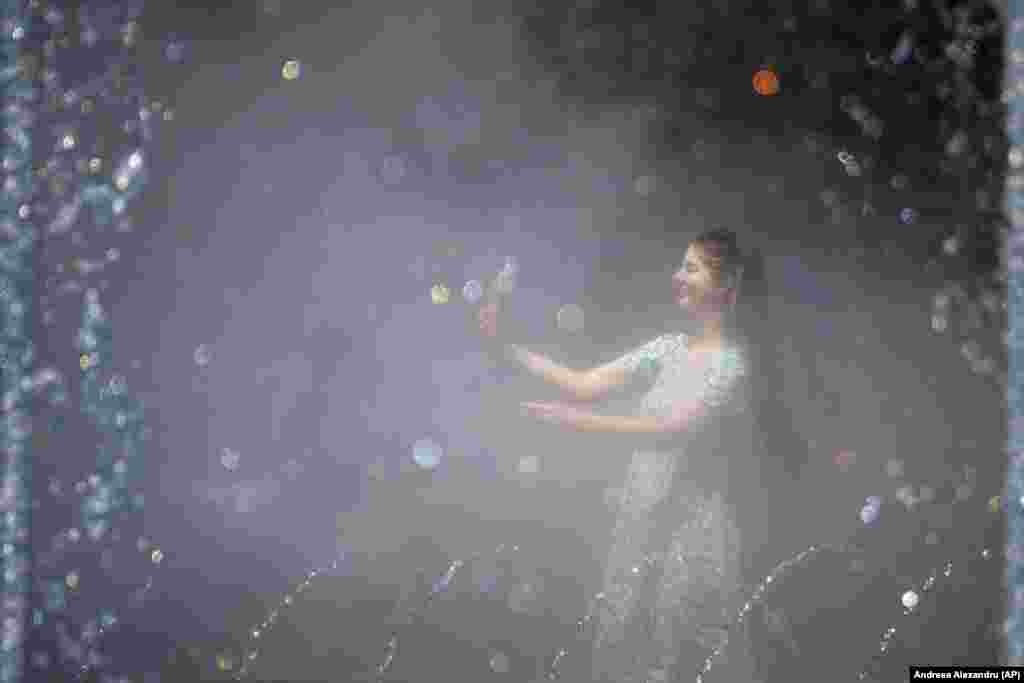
695, 287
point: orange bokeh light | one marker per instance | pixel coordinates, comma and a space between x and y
766, 82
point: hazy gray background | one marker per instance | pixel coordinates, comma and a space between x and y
284, 236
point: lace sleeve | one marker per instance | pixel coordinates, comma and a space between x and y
643, 357
721, 392
724, 384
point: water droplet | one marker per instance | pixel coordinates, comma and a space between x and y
529, 464
571, 318
869, 514
910, 599
904, 49
499, 662
202, 355
473, 291
175, 51
906, 496
426, 453
157, 556
439, 294
230, 459
225, 662
957, 144
291, 70
505, 282
129, 34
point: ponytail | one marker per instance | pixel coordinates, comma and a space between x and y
779, 450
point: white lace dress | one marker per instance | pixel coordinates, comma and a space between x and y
671, 576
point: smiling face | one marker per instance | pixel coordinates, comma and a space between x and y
696, 284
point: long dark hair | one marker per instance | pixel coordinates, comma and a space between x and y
779, 450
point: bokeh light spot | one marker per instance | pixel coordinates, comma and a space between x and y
766, 82
473, 291
426, 453
291, 70
439, 294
